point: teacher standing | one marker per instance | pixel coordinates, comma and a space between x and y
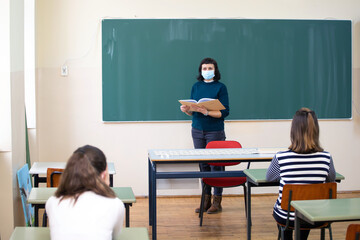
207, 125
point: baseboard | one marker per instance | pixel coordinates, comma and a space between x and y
235, 195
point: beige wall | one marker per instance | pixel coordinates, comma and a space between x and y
5, 110
69, 108
6, 198
12, 110
18, 149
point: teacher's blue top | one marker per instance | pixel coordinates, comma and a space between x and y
216, 90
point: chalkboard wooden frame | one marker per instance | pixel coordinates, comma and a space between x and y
270, 67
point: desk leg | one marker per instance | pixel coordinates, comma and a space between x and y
36, 213
127, 218
150, 191
111, 180
153, 180
248, 209
36, 180
297, 226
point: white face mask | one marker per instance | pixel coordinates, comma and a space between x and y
207, 75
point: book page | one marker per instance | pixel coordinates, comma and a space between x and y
188, 100
205, 100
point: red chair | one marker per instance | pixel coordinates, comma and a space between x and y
222, 182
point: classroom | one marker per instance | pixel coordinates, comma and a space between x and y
66, 111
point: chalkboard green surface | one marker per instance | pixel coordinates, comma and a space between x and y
270, 67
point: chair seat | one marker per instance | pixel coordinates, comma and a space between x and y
225, 182
353, 232
324, 225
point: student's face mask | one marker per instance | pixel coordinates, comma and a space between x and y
207, 75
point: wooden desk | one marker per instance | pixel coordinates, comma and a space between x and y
257, 178
329, 210
41, 167
43, 233
39, 196
156, 157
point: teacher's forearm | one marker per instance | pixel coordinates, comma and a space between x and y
214, 114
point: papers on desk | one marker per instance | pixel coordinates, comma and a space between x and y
213, 151
205, 152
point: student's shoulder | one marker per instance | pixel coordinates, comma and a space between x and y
115, 205
52, 201
326, 153
106, 200
284, 153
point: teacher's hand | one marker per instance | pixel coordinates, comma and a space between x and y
184, 108
200, 110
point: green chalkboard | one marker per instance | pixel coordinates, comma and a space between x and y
270, 67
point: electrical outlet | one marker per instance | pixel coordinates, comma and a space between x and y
64, 70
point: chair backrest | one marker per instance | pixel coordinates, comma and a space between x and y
53, 176
25, 187
224, 144
353, 232
292, 192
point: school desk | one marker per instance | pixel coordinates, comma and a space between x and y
157, 157
257, 178
329, 210
39, 196
43, 233
41, 167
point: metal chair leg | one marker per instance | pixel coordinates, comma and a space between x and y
279, 233
245, 197
44, 223
282, 233
330, 231
322, 237
201, 213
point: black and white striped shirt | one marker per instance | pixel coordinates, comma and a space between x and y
293, 168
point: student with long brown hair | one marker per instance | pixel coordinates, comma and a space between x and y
305, 162
84, 206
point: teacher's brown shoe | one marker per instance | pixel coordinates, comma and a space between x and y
207, 203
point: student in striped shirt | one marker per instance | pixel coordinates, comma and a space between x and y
304, 163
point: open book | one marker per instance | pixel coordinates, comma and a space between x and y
209, 103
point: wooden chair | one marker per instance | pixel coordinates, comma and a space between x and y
292, 192
53, 176
222, 182
353, 232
